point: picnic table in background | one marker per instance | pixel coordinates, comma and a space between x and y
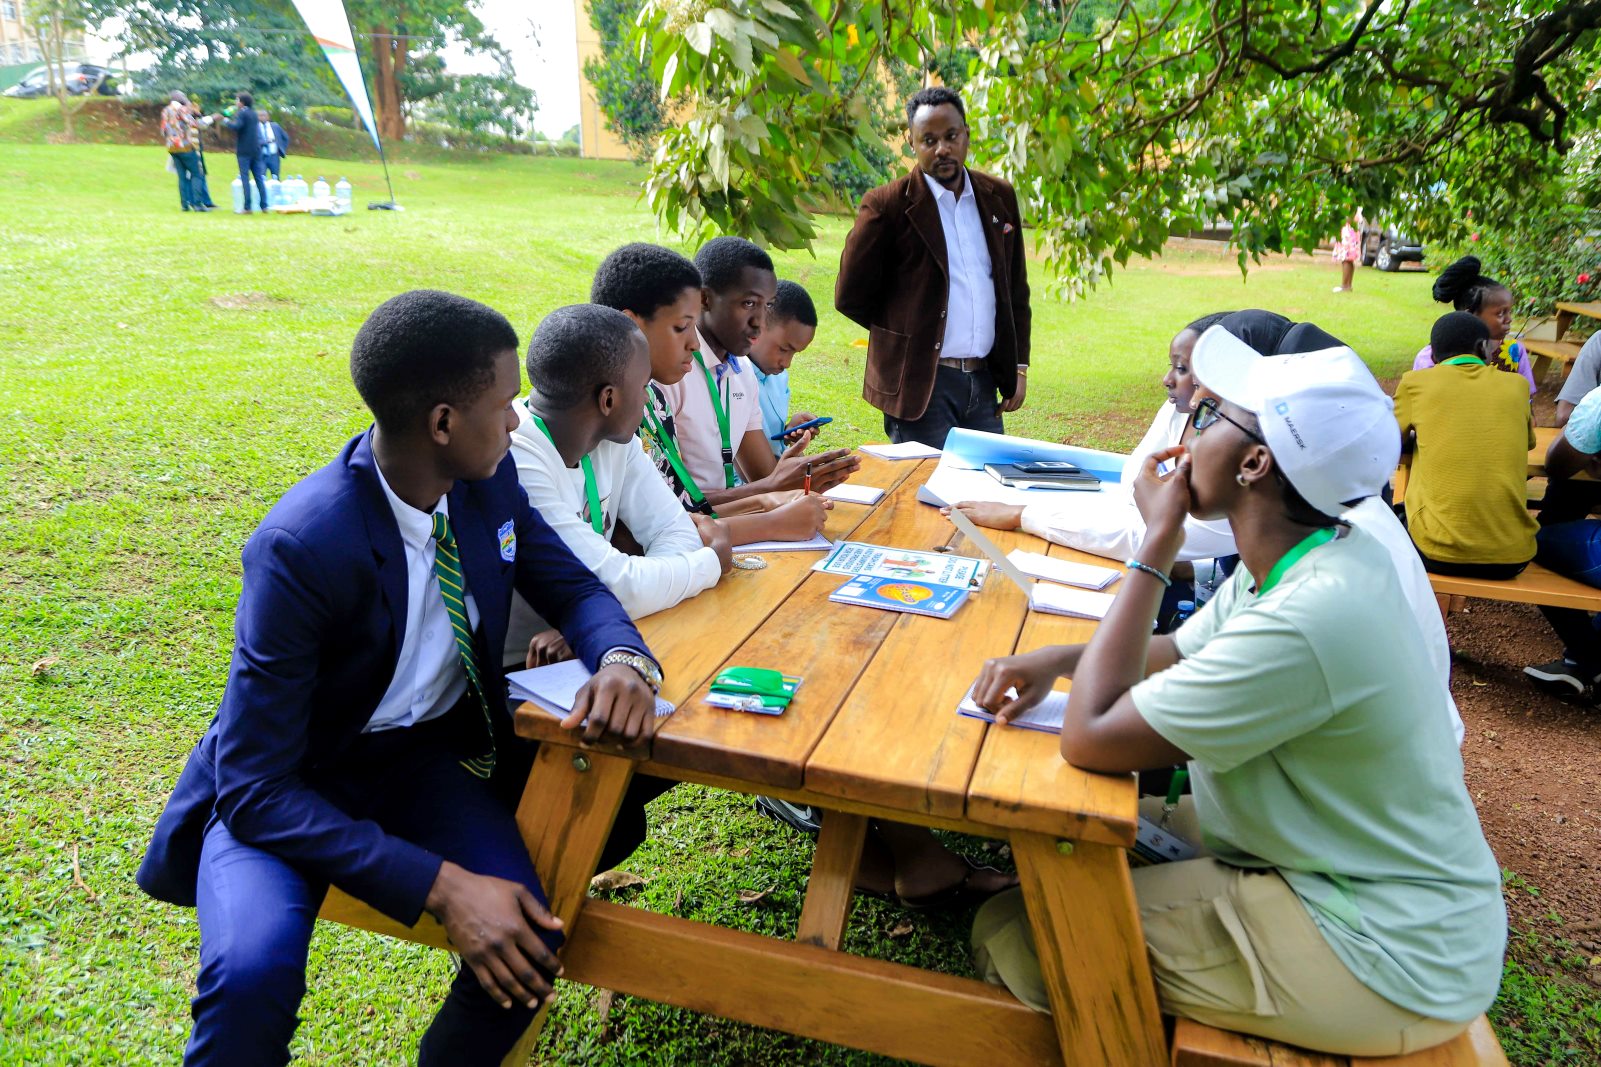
1559, 350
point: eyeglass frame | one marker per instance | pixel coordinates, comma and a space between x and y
1212, 405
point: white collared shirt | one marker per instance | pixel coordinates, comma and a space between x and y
429, 677
699, 439
970, 311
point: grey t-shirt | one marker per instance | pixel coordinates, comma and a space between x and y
1320, 746
1586, 372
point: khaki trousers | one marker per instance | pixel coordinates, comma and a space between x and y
1231, 948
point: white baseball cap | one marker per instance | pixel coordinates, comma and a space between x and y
1330, 426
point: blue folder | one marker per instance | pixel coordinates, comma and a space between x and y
974, 448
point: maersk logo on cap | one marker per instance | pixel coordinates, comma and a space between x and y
1283, 408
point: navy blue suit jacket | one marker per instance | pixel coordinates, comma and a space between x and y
317, 634
246, 127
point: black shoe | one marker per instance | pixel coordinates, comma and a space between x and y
1560, 676
802, 817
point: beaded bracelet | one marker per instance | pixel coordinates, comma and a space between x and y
1152, 571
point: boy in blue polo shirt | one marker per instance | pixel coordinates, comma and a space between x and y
791, 326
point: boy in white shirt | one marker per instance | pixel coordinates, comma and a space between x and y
716, 406
585, 472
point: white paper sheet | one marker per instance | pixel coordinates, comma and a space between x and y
904, 450
554, 687
819, 543
855, 494
1064, 571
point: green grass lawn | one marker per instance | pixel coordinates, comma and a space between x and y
166, 376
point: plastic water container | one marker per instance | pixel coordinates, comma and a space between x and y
1181, 612
275, 192
320, 190
342, 194
297, 191
238, 188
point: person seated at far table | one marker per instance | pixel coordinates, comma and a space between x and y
1571, 545
718, 417
1585, 376
1346, 900
1466, 288
363, 739
1466, 499
660, 292
585, 472
788, 331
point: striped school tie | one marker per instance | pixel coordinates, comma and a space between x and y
453, 587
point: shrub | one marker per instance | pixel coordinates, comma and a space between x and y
1550, 256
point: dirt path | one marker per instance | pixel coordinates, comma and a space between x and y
1534, 768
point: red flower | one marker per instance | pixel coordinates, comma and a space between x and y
1473, 237
1584, 279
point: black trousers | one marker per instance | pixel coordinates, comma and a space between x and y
961, 398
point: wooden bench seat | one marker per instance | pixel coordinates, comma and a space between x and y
1197, 1045
1545, 353
1536, 585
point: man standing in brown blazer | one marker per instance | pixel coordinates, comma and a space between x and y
934, 269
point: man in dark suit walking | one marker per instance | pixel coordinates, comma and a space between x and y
246, 128
363, 739
934, 269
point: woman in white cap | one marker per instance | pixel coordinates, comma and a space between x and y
1345, 899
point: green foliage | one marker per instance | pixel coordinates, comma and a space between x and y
621, 77
495, 104
1121, 125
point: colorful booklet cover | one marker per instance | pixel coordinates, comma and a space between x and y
901, 594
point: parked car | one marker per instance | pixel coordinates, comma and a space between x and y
1386, 248
80, 78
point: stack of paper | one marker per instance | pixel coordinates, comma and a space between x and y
1046, 716
1065, 600
904, 450
818, 543
855, 494
1036, 565
555, 687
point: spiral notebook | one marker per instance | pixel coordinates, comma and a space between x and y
555, 686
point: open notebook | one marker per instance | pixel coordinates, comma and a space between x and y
555, 687
1046, 716
1048, 597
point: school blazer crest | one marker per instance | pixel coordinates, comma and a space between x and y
894, 281
317, 633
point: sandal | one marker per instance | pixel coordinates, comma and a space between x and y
958, 894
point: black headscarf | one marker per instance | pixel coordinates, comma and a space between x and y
1274, 335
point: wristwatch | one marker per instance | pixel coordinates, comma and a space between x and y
640, 662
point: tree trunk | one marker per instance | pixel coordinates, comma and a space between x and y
60, 68
389, 59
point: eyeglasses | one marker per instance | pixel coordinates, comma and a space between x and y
1207, 412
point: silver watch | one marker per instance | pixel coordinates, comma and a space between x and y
640, 662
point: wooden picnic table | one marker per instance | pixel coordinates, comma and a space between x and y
1567, 310
872, 734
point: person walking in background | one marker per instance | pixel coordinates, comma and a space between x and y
247, 149
934, 270
180, 132
274, 144
1348, 251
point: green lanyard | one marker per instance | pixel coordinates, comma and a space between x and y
669, 447
720, 406
1293, 556
1463, 361
597, 520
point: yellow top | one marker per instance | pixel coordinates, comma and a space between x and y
1467, 498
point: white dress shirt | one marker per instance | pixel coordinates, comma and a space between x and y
675, 565
1108, 524
970, 311
429, 677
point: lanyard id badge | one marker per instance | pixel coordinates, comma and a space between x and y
597, 520
664, 441
720, 406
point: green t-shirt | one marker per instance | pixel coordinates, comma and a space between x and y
1319, 747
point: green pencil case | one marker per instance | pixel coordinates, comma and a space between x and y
756, 681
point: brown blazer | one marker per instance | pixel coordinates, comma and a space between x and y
894, 280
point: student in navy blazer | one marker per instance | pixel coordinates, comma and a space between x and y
326, 766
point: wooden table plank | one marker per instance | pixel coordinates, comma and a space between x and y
901, 744
1567, 309
850, 1000
832, 883
826, 644
694, 639
1021, 779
